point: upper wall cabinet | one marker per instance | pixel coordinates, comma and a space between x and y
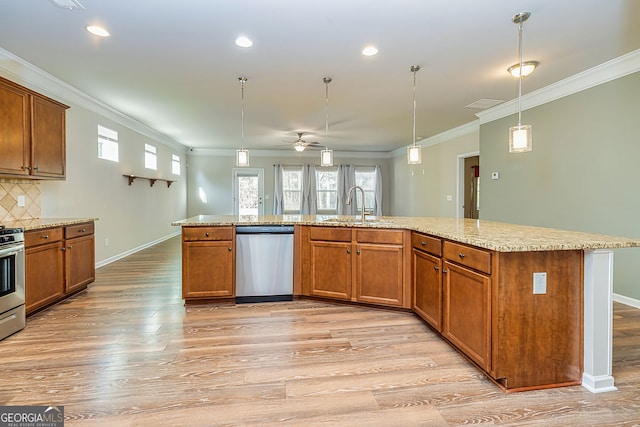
32, 134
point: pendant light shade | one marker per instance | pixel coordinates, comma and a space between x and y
242, 155
414, 151
326, 155
520, 136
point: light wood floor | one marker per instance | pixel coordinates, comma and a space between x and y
128, 353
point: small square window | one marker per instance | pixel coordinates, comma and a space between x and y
150, 157
175, 164
107, 144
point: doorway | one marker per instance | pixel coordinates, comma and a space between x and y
248, 191
471, 187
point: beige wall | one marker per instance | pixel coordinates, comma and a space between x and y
129, 216
214, 173
422, 190
581, 175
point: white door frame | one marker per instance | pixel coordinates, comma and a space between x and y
238, 172
460, 182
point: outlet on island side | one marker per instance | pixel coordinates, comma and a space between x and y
539, 283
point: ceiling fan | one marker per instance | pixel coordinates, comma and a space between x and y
300, 144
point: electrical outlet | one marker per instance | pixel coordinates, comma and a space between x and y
21, 201
106, 241
539, 283
449, 198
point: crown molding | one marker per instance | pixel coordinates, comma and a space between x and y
603, 73
226, 152
26, 74
445, 136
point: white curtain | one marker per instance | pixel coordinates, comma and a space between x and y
346, 179
378, 202
278, 199
309, 198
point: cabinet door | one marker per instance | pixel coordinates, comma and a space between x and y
79, 263
467, 312
427, 288
44, 275
331, 269
379, 274
48, 138
14, 130
207, 269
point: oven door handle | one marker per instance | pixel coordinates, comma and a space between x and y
13, 250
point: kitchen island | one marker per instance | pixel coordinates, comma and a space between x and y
530, 306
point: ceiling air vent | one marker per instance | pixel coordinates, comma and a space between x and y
67, 4
484, 103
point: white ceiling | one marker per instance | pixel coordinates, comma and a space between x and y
173, 65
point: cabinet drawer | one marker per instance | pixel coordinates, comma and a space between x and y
391, 237
207, 233
40, 237
330, 234
79, 230
429, 244
477, 259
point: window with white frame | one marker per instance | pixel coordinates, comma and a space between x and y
366, 178
175, 164
292, 189
150, 157
107, 144
327, 190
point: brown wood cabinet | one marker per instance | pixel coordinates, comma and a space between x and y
355, 264
208, 263
79, 257
427, 278
59, 262
44, 268
33, 136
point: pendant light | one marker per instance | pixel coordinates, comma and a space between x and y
520, 139
242, 155
326, 155
414, 151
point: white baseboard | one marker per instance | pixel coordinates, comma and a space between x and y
134, 250
626, 300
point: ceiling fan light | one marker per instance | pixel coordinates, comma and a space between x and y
299, 147
326, 157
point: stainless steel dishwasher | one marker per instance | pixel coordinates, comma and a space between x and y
264, 263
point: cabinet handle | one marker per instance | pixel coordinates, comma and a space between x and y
83, 230
44, 237
423, 243
70, 246
436, 268
35, 169
348, 251
27, 168
206, 234
445, 271
64, 249
461, 255
230, 248
358, 251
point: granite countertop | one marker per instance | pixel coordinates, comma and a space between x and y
40, 223
497, 236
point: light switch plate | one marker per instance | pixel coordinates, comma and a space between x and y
539, 283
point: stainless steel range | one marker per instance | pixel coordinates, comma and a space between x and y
12, 311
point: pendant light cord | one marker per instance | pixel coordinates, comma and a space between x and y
242, 82
520, 77
414, 69
326, 81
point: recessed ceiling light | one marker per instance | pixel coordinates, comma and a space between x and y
97, 30
370, 51
243, 41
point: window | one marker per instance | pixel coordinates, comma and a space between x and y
150, 158
366, 178
175, 164
107, 144
292, 190
327, 190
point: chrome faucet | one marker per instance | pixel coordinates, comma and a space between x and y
349, 199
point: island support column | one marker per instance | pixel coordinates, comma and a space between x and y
598, 321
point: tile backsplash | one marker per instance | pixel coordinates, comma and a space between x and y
11, 193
